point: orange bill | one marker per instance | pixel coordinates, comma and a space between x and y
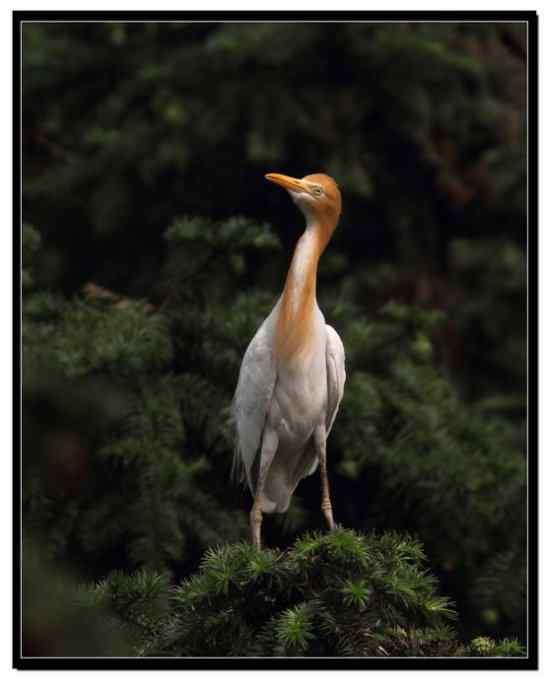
290, 183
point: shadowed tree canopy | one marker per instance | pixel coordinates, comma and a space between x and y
152, 250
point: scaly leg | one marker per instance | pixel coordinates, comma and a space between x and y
268, 451
325, 504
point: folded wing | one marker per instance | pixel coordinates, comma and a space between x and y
252, 401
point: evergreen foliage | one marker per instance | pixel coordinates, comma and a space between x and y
334, 594
330, 595
406, 429
147, 268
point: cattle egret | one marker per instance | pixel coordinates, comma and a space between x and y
293, 372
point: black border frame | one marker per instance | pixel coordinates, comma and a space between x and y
267, 663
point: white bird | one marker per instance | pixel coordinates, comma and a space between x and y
293, 372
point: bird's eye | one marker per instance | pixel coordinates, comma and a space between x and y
317, 191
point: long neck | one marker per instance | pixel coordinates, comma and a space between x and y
298, 301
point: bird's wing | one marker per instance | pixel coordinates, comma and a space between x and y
252, 399
335, 368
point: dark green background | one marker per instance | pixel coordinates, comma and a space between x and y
144, 153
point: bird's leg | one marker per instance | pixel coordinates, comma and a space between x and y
325, 504
268, 451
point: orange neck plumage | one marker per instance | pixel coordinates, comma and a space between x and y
298, 301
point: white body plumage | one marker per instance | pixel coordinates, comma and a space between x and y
289, 400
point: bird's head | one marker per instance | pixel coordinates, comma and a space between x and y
317, 196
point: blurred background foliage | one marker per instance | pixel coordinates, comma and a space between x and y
153, 248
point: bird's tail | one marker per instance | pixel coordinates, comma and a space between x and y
283, 479
278, 490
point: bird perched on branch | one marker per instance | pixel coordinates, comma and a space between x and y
293, 372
